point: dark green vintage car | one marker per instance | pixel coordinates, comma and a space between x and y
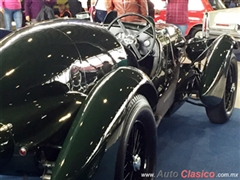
82, 101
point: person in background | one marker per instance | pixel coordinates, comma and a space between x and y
63, 11
128, 6
151, 11
101, 10
177, 14
11, 9
33, 7
1, 21
77, 6
233, 4
84, 4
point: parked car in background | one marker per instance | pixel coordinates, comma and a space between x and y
224, 21
197, 8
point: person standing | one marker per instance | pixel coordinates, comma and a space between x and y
232, 4
77, 6
1, 20
11, 9
177, 14
101, 10
63, 11
33, 7
151, 11
128, 6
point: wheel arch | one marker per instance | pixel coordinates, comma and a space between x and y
222, 112
138, 109
215, 70
149, 93
103, 114
191, 29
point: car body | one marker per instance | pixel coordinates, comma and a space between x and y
81, 100
224, 22
197, 8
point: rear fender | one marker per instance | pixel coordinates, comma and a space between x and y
97, 126
213, 80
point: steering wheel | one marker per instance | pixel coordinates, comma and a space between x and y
131, 39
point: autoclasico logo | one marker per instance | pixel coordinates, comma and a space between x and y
186, 174
197, 174
190, 174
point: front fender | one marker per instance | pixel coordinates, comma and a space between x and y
98, 124
213, 80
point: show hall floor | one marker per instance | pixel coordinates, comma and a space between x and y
189, 144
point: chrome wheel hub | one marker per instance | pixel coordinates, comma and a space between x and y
136, 162
233, 87
199, 34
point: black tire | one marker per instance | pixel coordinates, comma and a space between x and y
222, 112
139, 138
194, 31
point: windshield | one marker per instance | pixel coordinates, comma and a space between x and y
217, 4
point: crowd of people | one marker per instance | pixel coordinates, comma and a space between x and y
13, 10
21, 11
29, 10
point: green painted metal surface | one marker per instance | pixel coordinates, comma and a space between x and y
213, 81
98, 118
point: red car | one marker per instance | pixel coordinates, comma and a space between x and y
197, 8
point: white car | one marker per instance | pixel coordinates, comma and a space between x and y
224, 21
220, 19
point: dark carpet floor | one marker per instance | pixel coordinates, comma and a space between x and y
188, 143
190, 147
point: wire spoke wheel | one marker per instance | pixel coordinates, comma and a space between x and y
230, 89
135, 157
137, 149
